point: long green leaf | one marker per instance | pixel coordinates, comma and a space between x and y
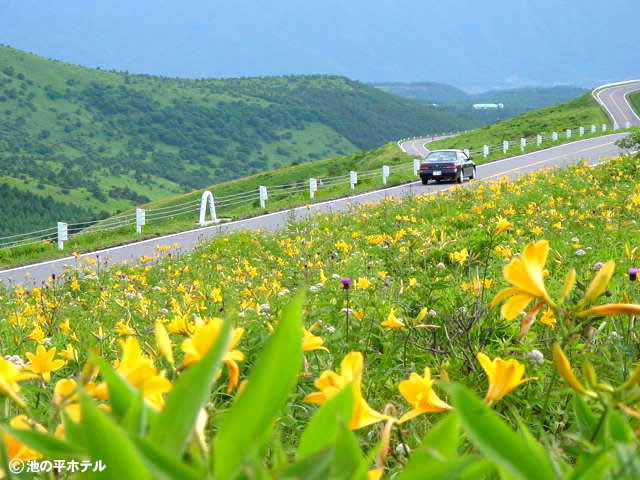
347, 456
44, 443
497, 441
107, 442
175, 423
121, 393
312, 467
437, 451
585, 419
272, 379
591, 467
135, 420
164, 466
322, 429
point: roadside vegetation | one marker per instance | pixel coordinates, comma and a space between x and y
583, 111
634, 99
353, 345
113, 140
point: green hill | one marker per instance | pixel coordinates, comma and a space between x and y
106, 141
582, 111
459, 103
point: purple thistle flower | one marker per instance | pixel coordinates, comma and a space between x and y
346, 283
633, 274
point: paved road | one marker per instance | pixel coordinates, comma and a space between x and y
614, 101
592, 150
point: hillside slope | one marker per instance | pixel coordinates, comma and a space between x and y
109, 140
582, 111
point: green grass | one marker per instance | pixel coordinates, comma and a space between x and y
74, 133
634, 99
406, 250
583, 111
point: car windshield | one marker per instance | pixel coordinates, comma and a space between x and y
441, 157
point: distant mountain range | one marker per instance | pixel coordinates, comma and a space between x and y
458, 102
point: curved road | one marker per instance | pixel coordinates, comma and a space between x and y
592, 150
614, 101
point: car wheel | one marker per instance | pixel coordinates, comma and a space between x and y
473, 174
425, 181
461, 177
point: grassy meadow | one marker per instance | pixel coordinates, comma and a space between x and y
406, 339
583, 111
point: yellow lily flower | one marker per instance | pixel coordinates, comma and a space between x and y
204, 336
504, 376
310, 341
418, 391
363, 283
70, 353
392, 321
10, 375
599, 283
138, 369
563, 367
611, 309
15, 448
330, 383
123, 328
42, 362
163, 341
526, 274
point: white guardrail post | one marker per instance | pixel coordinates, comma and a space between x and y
523, 144
505, 146
554, 136
416, 167
581, 131
313, 187
207, 199
593, 128
568, 132
263, 196
353, 179
485, 151
604, 127
385, 174
62, 235
140, 219
538, 140
628, 124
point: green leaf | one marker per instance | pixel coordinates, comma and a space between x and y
425, 468
585, 419
436, 452
591, 467
619, 429
164, 466
312, 467
347, 456
135, 420
322, 429
73, 432
495, 439
121, 393
44, 443
175, 423
443, 437
272, 379
107, 442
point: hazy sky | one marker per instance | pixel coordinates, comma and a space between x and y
468, 43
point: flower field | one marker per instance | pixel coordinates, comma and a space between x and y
488, 332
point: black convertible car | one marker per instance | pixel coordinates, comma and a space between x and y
452, 165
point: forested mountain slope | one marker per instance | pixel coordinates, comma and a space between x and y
108, 140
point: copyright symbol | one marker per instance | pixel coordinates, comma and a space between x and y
16, 465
